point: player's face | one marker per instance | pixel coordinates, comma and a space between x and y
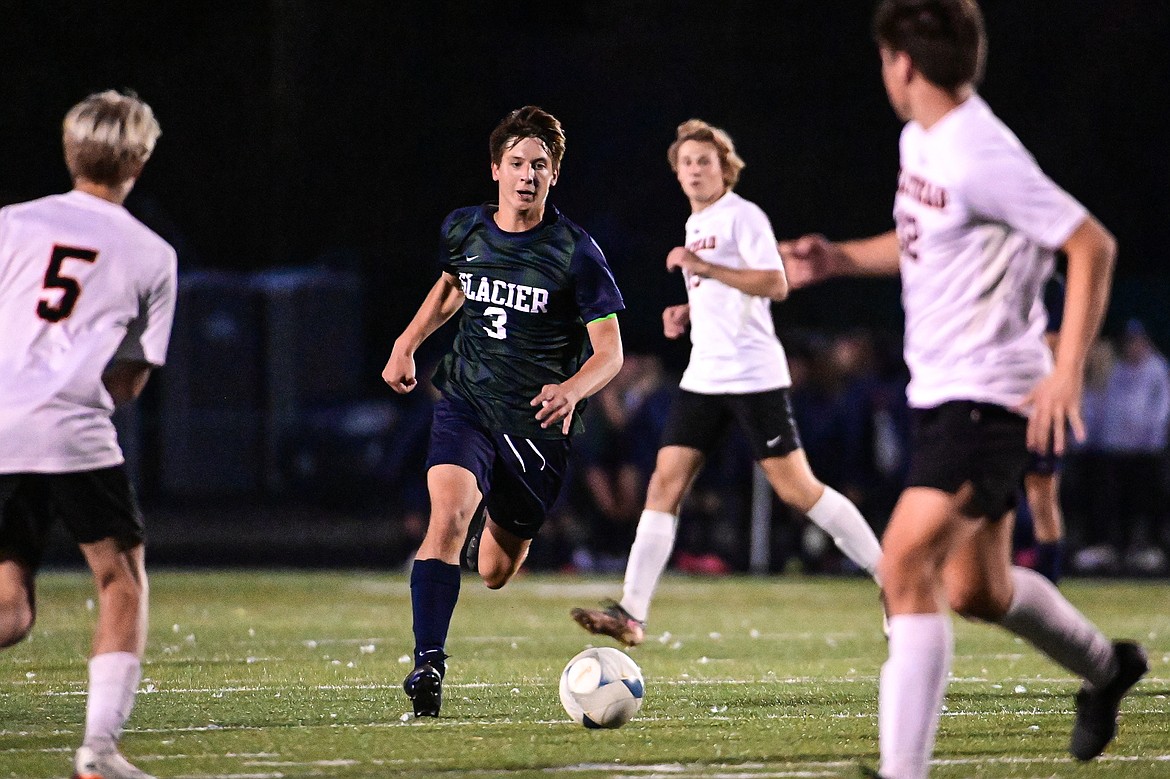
699, 172
896, 77
525, 174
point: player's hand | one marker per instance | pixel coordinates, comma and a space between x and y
683, 258
675, 320
1055, 405
556, 405
810, 259
399, 372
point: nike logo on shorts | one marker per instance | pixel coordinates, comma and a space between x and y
771, 442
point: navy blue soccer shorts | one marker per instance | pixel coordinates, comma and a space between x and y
520, 478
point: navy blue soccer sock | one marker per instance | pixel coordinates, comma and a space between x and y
434, 590
1050, 560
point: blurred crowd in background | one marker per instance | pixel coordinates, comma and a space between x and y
849, 402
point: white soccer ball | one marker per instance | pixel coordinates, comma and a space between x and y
602, 688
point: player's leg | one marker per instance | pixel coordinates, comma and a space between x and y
796, 485
1042, 491
923, 529
434, 581
19, 553
101, 512
17, 600
115, 667
674, 472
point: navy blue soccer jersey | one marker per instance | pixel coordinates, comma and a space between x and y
528, 297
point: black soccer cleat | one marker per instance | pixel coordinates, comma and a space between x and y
469, 554
424, 687
1097, 709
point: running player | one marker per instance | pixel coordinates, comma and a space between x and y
737, 374
87, 295
537, 297
977, 224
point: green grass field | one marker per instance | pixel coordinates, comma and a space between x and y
259, 675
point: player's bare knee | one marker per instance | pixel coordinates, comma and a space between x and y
16, 622
665, 489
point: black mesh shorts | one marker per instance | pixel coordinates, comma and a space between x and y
964, 441
700, 421
92, 505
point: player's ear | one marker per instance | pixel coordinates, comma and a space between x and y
495, 172
556, 175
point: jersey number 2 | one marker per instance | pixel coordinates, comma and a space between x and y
499, 318
70, 289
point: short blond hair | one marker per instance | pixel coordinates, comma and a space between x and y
108, 137
698, 130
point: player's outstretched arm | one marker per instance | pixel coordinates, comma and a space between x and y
557, 401
440, 304
813, 258
125, 379
1056, 400
762, 283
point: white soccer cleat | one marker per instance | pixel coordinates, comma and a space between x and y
88, 764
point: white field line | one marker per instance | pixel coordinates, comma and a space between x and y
793, 680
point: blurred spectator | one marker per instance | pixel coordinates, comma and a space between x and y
612, 462
1135, 412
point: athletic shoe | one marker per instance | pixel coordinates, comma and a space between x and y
88, 764
869, 773
469, 554
424, 686
612, 621
1097, 708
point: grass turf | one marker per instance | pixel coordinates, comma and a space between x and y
260, 675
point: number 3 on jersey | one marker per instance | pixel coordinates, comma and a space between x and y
70, 289
499, 318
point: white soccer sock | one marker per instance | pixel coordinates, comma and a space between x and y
1040, 615
837, 516
913, 682
648, 558
113, 681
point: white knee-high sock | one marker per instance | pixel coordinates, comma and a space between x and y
648, 557
837, 516
113, 681
1040, 615
913, 682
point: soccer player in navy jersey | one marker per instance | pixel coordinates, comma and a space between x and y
538, 335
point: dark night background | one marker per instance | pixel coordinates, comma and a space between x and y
296, 130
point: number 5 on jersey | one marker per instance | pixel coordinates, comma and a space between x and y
499, 318
70, 289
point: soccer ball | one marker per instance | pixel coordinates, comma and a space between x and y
602, 688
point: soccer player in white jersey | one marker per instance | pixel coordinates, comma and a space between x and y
737, 373
87, 296
977, 224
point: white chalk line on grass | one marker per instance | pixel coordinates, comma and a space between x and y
792, 680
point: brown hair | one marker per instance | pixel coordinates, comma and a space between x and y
108, 137
945, 39
528, 122
698, 130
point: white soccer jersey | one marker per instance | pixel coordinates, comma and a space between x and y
82, 283
734, 349
977, 223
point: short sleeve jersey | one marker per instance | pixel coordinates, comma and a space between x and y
978, 223
734, 348
82, 284
528, 297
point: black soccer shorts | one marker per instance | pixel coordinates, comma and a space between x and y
700, 421
93, 505
965, 441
